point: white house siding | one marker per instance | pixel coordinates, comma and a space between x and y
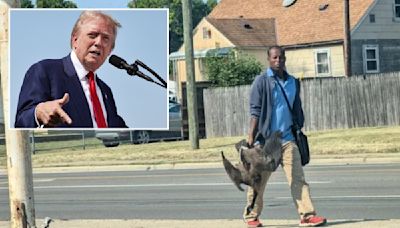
216, 39
301, 62
260, 54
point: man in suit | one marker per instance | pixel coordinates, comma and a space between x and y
67, 92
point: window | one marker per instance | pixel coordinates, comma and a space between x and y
371, 58
322, 62
206, 33
202, 68
372, 18
396, 8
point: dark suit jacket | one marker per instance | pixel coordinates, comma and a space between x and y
48, 80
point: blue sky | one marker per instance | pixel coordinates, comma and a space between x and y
43, 34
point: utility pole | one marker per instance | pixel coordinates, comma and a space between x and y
19, 164
347, 39
190, 78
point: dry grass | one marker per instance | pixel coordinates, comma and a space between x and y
334, 142
153, 153
353, 141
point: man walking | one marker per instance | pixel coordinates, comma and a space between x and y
270, 112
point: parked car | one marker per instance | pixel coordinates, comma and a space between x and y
109, 138
113, 138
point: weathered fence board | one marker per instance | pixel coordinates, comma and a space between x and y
328, 103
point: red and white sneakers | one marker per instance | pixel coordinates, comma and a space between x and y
254, 223
312, 221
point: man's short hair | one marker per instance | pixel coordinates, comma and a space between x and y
276, 47
92, 14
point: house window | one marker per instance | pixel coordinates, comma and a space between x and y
396, 9
372, 18
206, 33
371, 58
322, 62
202, 67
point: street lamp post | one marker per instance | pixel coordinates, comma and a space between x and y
19, 164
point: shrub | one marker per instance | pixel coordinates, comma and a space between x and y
231, 70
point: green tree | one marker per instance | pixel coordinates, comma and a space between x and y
26, 4
231, 70
55, 4
211, 4
199, 8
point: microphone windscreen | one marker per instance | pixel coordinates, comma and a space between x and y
117, 61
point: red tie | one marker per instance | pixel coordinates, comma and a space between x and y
98, 111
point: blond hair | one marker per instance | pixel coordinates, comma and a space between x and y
92, 14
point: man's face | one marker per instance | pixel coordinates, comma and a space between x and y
276, 59
93, 43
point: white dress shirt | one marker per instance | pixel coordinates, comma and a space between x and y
82, 72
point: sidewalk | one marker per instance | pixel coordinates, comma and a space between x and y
205, 223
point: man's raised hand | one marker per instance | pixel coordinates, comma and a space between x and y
51, 114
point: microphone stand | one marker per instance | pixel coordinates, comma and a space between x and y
138, 62
137, 72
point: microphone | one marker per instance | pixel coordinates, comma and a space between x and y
122, 64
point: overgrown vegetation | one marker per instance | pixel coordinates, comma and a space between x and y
48, 4
231, 69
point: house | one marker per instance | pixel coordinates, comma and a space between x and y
244, 36
312, 32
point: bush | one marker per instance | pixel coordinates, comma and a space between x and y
231, 70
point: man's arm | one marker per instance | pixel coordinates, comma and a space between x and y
34, 105
255, 109
33, 91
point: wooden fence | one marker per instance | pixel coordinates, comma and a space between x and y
328, 103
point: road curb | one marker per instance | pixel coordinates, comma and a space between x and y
338, 160
315, 160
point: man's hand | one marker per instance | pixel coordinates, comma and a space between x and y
252, 131
51, 114
250, 141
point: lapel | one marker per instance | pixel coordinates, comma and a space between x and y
77, 101
106, 99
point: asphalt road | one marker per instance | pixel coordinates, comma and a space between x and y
339, 192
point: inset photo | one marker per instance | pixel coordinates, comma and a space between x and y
85, 69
